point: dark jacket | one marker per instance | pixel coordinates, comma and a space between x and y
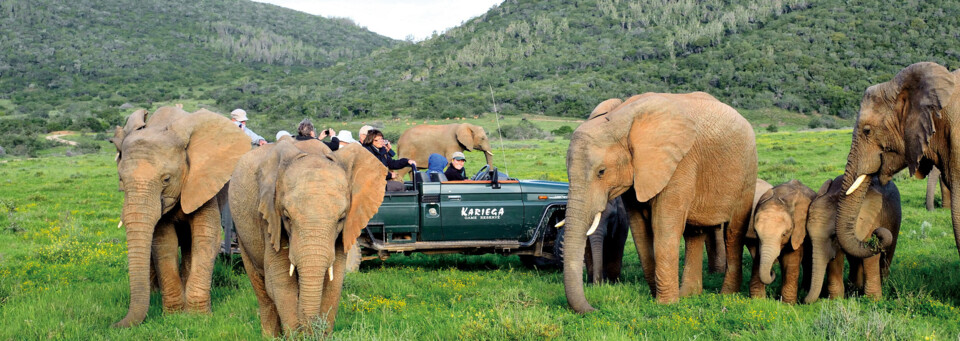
386, 160
453, 174
334, 143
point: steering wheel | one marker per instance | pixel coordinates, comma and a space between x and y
482, 175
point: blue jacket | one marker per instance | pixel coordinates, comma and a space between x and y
435, 163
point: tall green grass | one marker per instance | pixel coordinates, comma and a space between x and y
63, 272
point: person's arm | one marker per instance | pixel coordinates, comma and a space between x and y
254, 138
397, 164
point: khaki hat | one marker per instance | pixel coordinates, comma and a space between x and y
364, 130
238, 115
458, 156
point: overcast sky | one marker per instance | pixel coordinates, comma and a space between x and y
395, 18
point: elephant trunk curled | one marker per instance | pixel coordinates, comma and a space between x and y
141, 211
768, 253
575, 242
847, 210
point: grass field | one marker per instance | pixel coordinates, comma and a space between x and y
63, 271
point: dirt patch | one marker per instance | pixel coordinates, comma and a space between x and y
56, 136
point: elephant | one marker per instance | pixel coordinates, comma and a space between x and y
298, 209
906, 122
172, 167
419, 142
932, 179
604, 253
778, 230
682, 162
880, 208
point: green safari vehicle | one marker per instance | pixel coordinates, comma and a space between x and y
491, 213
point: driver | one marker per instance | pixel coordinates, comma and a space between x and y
456, 172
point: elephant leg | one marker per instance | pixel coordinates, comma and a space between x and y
871, 274
692, 281
330, 299
205, 233
668, 217
945, 195
281, 286
643, 240
165, 259
186, 256
735, 233
269, 319
757, 288
613, 252
835, 276
716, 250
856, 272
932, 180
790, 268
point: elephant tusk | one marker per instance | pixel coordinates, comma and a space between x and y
856, 184
488, 152
560, 224
596, 222
115, 158
120, 224
291, 269
330, 272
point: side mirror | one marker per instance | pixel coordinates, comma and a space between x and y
494, 178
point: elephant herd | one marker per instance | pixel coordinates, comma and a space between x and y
673, 166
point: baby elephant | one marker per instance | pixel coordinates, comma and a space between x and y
298, 210
778, 230
604, 254
879, 215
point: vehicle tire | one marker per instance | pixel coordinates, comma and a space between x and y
354, 257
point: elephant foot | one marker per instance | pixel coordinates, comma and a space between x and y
690, 290
172, 307
127, 322
758, 292
789, 300
668, 298
199, 307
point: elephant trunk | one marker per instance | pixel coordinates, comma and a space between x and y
821, 256
768, 253
847, 210
141, 211
596, 258
313, 259
575, 242
488, 156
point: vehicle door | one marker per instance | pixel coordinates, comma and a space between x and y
476, 210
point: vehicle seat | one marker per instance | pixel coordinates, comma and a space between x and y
437, 177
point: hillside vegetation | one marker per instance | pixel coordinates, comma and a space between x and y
73, 64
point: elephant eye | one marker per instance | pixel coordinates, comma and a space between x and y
866, 131
600, 173
166, 179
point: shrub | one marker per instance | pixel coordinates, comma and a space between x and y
563, 131
823, 121
772, 128
524, 130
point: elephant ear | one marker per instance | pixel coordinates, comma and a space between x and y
213, 147
465, 136
751, 227
605, 107
136, 121
659, 138
117, 139
268, 178
922, 90
367, 179
869, 216
824, 188
801, 204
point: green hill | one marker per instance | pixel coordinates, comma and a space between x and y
73, 63
563, 57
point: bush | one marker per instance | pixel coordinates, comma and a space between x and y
563, 131
525, 130
772, 128
823, 121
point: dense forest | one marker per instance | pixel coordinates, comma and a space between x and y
73, 64
76, 63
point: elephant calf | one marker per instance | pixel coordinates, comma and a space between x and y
878, 215
298, 209
777, 232
604, 254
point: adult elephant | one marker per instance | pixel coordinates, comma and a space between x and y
171, 168
907, 122
880, 208
299, 209
688, 160
419, 142
932, 180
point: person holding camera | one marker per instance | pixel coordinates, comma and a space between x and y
305, 131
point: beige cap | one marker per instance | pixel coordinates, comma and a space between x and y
238, 115
364, 130
458, 156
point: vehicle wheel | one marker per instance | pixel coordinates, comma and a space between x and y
353, 259
558, 245
542, 263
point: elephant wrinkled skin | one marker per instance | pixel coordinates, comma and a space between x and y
777, 231
298, 210
682, 162
880, 212
171, 168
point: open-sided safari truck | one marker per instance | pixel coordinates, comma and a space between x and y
491, 213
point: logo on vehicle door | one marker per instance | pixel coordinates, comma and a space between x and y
481, 213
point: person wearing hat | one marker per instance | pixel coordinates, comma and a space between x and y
239, 117
345, 137
386, 149
281, 134
456, 172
